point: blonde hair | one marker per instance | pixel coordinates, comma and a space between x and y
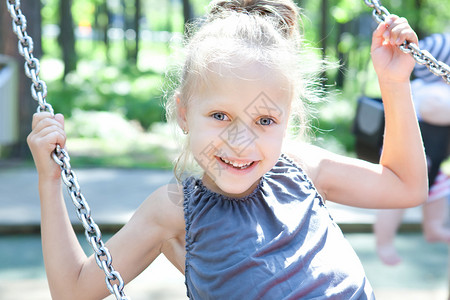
264, 31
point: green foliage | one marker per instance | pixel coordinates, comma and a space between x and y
164, 15
123, 89
109, 139
105, 81
83, 11
49, 12
346, 10
333, 125
432, 15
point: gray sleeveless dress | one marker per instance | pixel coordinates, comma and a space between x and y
279, 242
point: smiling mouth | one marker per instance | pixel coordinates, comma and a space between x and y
237, 165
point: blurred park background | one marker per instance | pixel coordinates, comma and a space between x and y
105, 63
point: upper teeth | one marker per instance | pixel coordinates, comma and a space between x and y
235, 164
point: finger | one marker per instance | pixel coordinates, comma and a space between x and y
47, 125
47, 121
403, 33
388, 24
48, 137
378, 33
390, 19
395, 26
55, 136
60, 119
381, 33
37, 117
45, 130
397, 33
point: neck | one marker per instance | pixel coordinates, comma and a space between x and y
209, 183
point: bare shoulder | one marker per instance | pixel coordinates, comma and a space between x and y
165, 207
153, 228
160, 217
323, 167
308, 157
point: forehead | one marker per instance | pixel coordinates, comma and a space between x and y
245, 81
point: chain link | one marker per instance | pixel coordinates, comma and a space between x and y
422, 57
114, 281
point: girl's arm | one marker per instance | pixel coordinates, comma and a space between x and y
72, 275
400, 178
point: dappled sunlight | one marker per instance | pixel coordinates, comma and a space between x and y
108, 134
338, 109
148, 60
121, 87
145, 84
52, 69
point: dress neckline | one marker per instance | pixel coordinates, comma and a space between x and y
209, 193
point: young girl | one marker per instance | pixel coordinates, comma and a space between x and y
252, 225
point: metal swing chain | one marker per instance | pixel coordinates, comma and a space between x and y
422, 57
114, 281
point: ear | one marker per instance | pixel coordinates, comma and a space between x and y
181, 114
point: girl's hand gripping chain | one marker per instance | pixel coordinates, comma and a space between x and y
390, 63
47, 132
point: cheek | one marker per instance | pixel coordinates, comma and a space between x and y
274, 144
270, 142
203, 141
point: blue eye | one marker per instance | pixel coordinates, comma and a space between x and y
265, 121
220, 116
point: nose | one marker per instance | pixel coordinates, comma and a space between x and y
238, 136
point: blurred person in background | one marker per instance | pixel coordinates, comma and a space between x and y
431, 97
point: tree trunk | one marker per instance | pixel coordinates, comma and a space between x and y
129, 28
102, 25
324, 30
342, 58
67, 37
137, 17
187, 12
417, 26
8, 45
324, 26
169, 12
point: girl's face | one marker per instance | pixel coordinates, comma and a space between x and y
237, 123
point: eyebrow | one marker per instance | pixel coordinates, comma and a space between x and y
264, 106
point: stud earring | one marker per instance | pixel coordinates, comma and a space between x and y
185, 132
